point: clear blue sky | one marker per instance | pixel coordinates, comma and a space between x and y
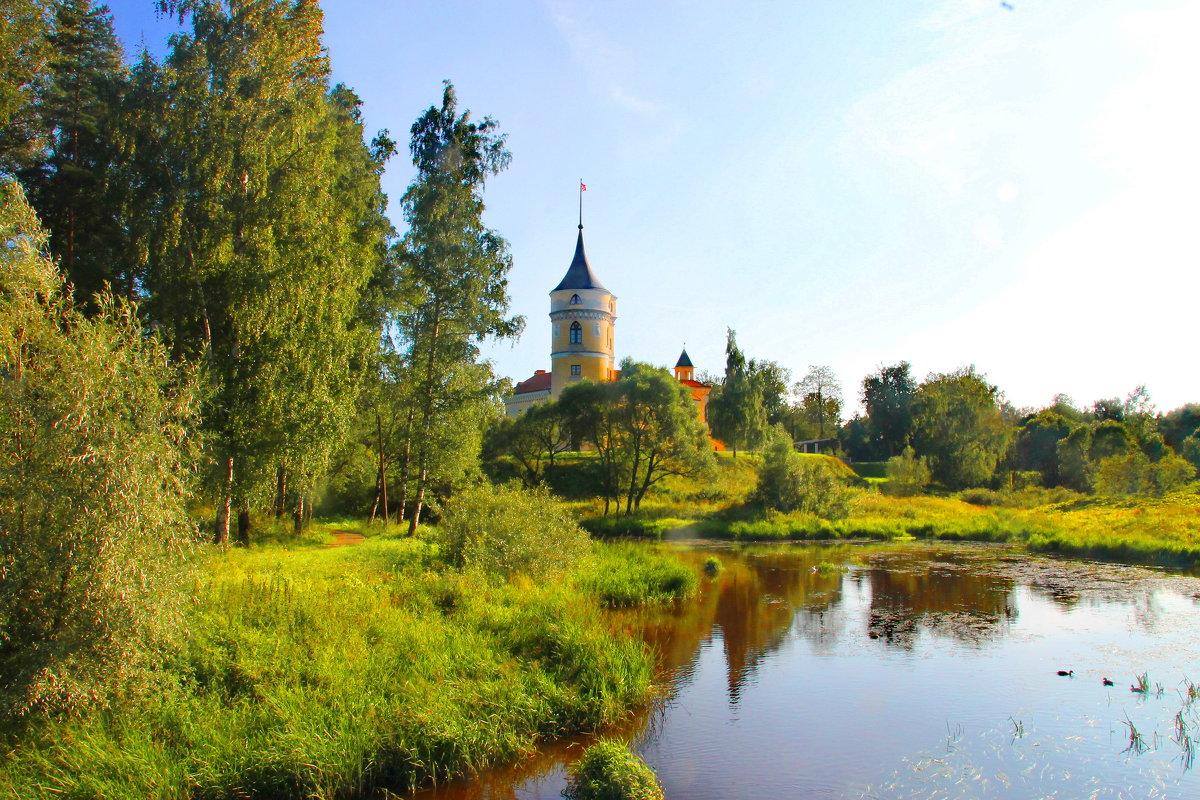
844, 183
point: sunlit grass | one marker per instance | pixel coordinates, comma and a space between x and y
332, 672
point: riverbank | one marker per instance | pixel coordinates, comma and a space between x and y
337, 672
1162, 531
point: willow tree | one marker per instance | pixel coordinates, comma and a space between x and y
95, 430
643, 427
266, 224
454, 281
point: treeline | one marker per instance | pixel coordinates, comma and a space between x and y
230, 193
958, 429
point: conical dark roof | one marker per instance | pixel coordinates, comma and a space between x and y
579, 274
684, 361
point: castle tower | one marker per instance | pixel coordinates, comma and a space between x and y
582, 313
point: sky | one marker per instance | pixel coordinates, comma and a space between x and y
842, 183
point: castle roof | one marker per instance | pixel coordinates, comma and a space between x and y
540, 382
683, 361
579, 274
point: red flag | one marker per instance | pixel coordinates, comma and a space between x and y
582, 186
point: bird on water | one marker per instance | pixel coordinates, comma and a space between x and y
1067, 673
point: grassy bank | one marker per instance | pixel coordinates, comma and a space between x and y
1163, 531
334, 672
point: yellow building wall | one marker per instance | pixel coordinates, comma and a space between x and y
594, 356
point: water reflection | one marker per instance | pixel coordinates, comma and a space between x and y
818, 683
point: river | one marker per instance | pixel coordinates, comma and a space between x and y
905, 671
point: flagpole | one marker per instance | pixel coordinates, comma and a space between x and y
581, 204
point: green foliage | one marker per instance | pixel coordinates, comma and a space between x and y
958, 427
95, 429
1191, 449
735, 407
1074, 459
821, 398
772, 381
1023, 497
342, 673
907, 474
1109, 438
77, 185
608, 771
256, 208
1133, 474
1036, 444
643, 427
788, 482
625, 575
509, 531
887, 396
533, 439
870, 469
452, 292
24, 53
1179, 425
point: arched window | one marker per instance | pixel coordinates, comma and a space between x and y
576, 333
575, 300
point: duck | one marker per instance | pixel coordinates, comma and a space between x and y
1067, 673
1137, 689
1107, 682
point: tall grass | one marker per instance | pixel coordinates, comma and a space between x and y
334, 673
623, 575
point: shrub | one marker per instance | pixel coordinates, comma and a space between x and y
787, 482
93, 530
506, 531
907, 474
1133, 474
608, 771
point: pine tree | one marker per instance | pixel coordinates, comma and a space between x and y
75, 185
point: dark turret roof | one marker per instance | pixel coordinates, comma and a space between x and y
579, 274
683, 361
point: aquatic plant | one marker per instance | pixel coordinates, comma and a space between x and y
1018, 728
1141, 684
608, 771
1137, 743
713, 566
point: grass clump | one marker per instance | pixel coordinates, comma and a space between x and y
625, 575
608, 771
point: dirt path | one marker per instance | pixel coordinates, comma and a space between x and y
345, 539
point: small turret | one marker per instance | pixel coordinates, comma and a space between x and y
684, 371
